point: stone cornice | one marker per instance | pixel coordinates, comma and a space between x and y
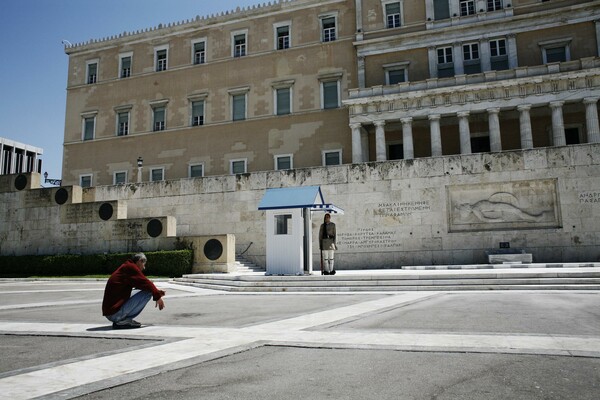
505, 94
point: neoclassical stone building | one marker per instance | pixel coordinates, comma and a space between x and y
304, 83
459, 77
443, 128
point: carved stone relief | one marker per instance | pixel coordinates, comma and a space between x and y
504, 205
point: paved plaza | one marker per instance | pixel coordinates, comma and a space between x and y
375, 345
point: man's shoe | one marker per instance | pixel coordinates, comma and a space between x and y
126, 324
325, 272
332, 272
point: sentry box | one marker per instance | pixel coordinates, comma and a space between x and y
289, 227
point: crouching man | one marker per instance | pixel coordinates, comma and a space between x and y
119, 306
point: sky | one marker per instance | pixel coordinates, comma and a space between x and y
33, 70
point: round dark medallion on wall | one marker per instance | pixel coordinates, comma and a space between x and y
20, 182
106, 211
154, 228
61, 196
213, 249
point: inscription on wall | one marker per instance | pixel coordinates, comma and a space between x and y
393, 219
402, 208
367, 238
589, 197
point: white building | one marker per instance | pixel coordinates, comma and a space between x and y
17, 157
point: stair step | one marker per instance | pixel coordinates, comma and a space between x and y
588, 279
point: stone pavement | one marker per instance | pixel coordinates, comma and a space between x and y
216, 345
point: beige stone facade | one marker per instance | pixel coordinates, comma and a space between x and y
354, 80
297, 74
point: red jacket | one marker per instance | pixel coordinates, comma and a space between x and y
119, 286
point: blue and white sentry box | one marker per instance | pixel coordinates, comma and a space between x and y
289, 227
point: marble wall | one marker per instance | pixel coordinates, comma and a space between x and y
437, 210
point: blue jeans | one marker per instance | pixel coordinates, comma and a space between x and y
132, 307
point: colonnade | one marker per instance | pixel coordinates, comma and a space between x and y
558, 131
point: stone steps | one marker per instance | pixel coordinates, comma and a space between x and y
244, 266
506, 265
450, 280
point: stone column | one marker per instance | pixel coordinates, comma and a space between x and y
494, 126
361, 72
458, 58
485, 56
356, 143
465, 132
558, 127
407, 138
432, 56
380, 141
591, 119
513, 61
436, 135
12, 167
597, 22
359, 22
525, 126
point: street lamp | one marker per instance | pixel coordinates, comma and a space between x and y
56, 182
140, 163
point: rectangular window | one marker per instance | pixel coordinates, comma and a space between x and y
89, 126
555, 54
494, 5
238, 107
572, 136
472, 63
498, 47
123, 123
283, 224
444, 55
332, 157
396, 76
159, 119
196, 171
125, 69
467, 7
283, 162
480, 144
471, 51
445, 66
237, 166
330, 94
200, 52
392, 15
120, 178
157, 174
92, 73
85, 181
396, 151
161, 60
557, 50
328, 33
499, 57
283, 97
441, 9
239, 45
283, 37
198, 113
